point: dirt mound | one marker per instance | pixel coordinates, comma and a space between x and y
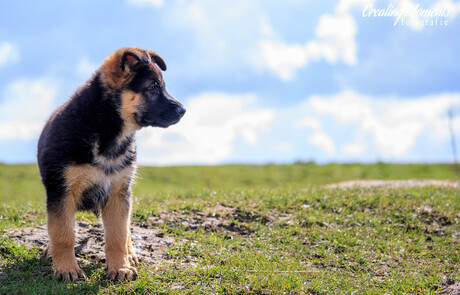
393, 183
150, 244
453, 289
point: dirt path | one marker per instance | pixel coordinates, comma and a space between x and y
393, 183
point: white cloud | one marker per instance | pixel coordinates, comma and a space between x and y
17, 129
335, 40
153, 3
339, 31
344, 6
323, 141
282, 58
208, 131
309, 122
452, 7
394, 125
353, 149
24, 107
9, 53
319, 138
283, 147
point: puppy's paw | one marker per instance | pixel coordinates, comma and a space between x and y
122, 274
47, 252
71, 273
133, 260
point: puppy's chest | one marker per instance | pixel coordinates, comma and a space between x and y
115, 158
110, 172
112, 166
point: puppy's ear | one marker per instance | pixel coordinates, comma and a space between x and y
157, 59
133, 59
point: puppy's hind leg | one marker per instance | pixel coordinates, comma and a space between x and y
61, 223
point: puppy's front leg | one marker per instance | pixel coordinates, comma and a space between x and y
116, 217
62, 239
131, 253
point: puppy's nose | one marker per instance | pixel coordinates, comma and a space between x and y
180, 110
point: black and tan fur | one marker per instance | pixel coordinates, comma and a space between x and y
87, 155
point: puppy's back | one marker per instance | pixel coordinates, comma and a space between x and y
72, 130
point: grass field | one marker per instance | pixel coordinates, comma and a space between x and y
280, 232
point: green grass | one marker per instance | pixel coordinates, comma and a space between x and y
284, 232
21, 183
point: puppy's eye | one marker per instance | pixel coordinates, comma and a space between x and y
155, 86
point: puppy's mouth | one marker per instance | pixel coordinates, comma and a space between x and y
163, 122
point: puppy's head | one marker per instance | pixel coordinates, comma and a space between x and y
136, 74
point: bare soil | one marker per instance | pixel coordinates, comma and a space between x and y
149, 240
150, 244
393, 183
453, 289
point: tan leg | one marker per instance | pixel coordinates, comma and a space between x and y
116, 217
131, 253
62, 240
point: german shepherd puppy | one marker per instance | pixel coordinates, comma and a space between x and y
87, 155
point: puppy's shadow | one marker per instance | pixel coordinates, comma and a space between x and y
27, 271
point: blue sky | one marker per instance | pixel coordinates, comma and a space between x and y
263, 81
